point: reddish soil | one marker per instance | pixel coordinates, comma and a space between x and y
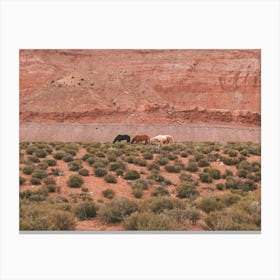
140, 86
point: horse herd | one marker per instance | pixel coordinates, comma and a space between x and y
160, 139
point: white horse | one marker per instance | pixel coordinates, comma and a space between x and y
162, 139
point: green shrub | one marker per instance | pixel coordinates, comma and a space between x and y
49, 181
161, 203
57, 172
117, 166
137, 191
192, 167
227, 173
75, 166
33, 159
41, 153
59, 155
148, 155
52, 188
100, 172
45, 217
21, 180
153, 166
39, 174
150, 221
28, 169
35, 181
255, 166
100, 163
84, 189
140, 183
184, 154
51, 162
220, 186
84, 172
75, 181
119, 172
108, 193
100, 155
87, 156
230, 161
111, 158
244, 152
203, 163
171, 156
131, 175
43, 165
140, 161
161, 160
230, 199
214, 173
85, 210
172, 168
205, 177
208, 204
186, 178
231, 183
156, 176
231, 153
186, 190
109, 178
116, 210
243, 173
90, 160
67, 158
160, 191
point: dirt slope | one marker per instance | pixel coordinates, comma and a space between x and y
140, 86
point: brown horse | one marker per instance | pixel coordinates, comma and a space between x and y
141, 138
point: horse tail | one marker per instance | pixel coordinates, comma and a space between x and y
171, 139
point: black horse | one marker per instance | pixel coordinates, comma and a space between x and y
122, 137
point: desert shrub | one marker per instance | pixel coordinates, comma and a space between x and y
51, 162
57, 172
230, 161
68, 158
111, 157
244, 152
153, 166
186, 190
148, 155
140, 161
227, 173
45, 217
156, 176
25, 194
244, 164
230, 199
231, 153
116, 210
208, 204
248, 185
28, 169
52, 188
137, 191
184, 177
39, 174
243, 173
160, 191
213, 157
32, 149
220, 186
119, 172
90, 160
100, 155
49, 181
117, 166
100, 163
21, 180
109, 178
35, 181
161, 160
75, 165
43, 165
205, 177
41, 153
161, 203
214, 173
150, 221
171, 156
192, 167
254, 150
75, 181
84, 172
184, 154
109, 193
131, 175
231, 183
172, 168
85, 210
203, 163
59, 155
33, 159
255, 166
86, 156
199, 156
100, 172
140, 183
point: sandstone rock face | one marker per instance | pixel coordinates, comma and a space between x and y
141, 86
